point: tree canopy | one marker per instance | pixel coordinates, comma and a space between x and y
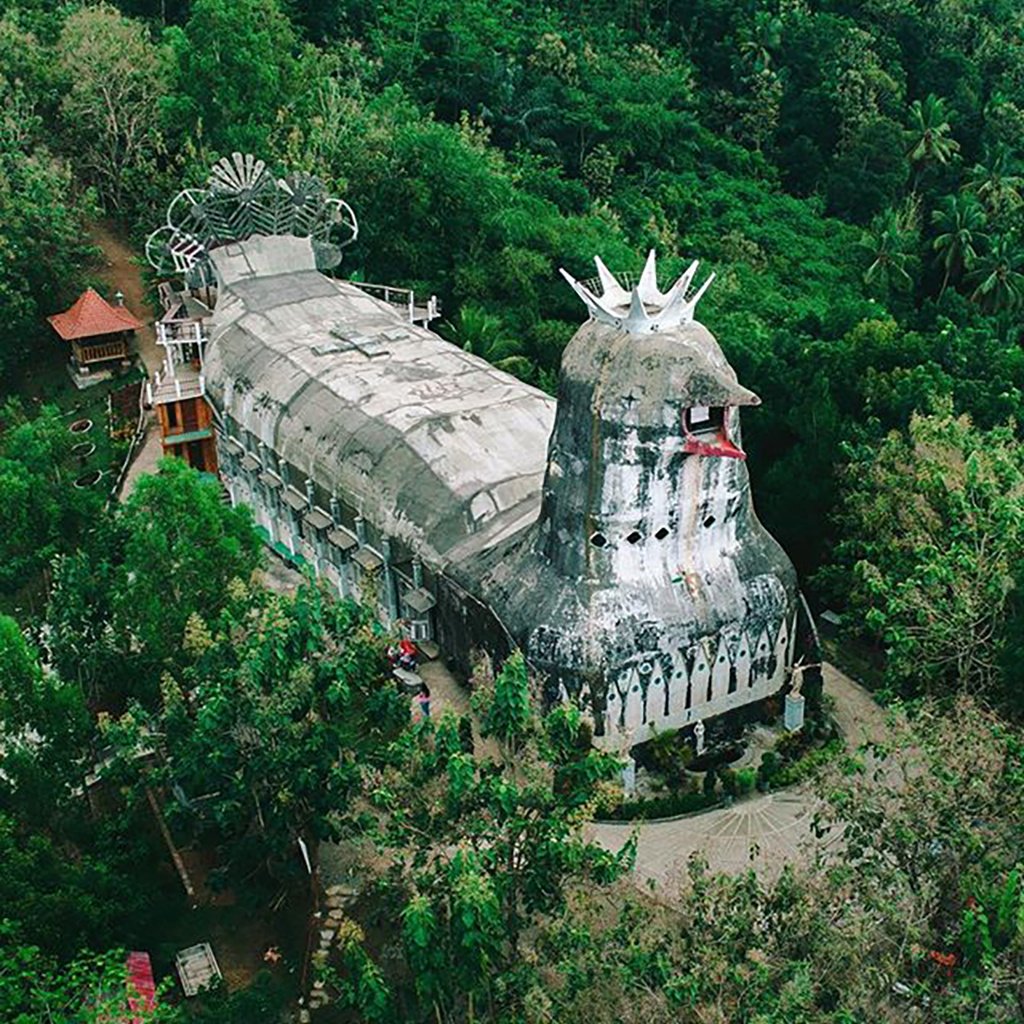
852, 172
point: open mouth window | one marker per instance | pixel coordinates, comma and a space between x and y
703, 419
706, 432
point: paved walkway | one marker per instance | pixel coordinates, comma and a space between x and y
764, 832
147, 455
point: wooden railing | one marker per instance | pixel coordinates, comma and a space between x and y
86, 354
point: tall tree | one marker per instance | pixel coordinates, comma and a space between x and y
960, 222
44, 514
110, 112
889, 244
182, 546
998, 276
236, 74
998, 182
484, 334
44, 730
934, 522
930, 141
915, 913
264, 730
488, 847
43, 243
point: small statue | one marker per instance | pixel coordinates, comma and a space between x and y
629, 777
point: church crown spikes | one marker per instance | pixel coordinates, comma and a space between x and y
645, 309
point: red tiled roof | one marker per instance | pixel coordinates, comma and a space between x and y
92, 316
141, 986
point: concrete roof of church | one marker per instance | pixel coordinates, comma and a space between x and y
436, 446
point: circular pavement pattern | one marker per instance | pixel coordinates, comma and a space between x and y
762, 832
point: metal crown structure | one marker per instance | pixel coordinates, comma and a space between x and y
242, 199
645, 309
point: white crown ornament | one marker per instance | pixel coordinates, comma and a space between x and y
644, 310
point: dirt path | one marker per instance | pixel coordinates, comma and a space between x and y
123, 273
859, 718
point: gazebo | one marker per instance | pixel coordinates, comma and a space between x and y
98, 331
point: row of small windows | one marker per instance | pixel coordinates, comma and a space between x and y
599, 540
273, 499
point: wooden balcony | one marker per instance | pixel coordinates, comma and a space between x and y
86, 354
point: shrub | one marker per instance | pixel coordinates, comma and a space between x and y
807, 765
768, 769
746, 779
661, 807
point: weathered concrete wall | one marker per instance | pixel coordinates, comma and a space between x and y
637, 579
648, 588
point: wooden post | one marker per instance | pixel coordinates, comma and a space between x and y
179, 864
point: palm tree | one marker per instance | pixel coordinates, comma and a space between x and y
889, 244
482, 333
998, 182
930, 141
997, 277
758, 42
960, 221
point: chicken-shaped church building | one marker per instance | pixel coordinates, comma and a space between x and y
610, 535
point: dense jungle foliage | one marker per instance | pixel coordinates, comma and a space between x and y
853, 172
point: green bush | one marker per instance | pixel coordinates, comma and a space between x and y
746, 779
662, 807
768, 770
807, 765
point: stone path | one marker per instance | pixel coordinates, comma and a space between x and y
147, 455
764, 832
446, 694
859, 718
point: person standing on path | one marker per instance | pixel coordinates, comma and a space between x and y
423, 697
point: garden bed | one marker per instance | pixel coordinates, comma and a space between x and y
89, 479
672, 783
45, 381
673, 805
